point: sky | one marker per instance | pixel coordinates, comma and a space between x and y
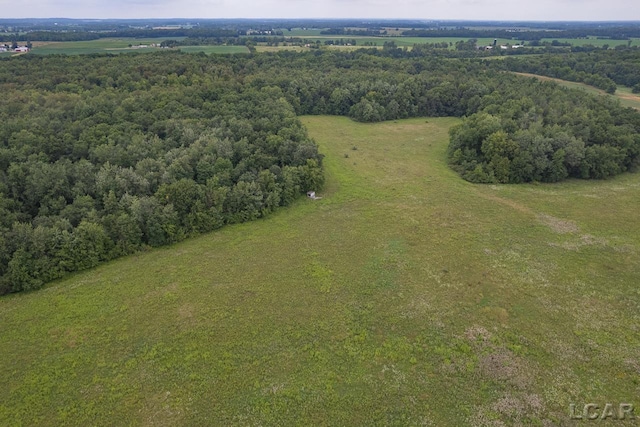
538, 10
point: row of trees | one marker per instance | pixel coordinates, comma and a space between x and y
614, 32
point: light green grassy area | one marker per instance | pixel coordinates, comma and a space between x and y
628, 98
595, 41
623, 93
214, 49
405, 296
112, 45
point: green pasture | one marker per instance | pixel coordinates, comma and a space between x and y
405, 296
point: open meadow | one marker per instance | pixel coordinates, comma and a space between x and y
405, 296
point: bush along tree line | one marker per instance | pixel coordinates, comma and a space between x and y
104, 155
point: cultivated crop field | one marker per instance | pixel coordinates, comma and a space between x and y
405, 296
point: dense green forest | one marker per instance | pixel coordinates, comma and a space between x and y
601, 68
101, 156
104, 155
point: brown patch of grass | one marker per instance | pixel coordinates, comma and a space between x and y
587, 240
558, 225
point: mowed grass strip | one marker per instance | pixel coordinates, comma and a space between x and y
404, 296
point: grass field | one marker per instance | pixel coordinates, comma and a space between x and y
405, 296
109, 45
623, 93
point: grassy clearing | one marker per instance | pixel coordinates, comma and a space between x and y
405, 296
623, 93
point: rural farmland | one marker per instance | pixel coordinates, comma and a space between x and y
320, 222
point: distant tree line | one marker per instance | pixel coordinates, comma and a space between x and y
603, 69
614, 33
67, 36
341, 31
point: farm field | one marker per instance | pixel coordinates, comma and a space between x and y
405, 296
595, 41
623, 93
115, 45
121, 45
